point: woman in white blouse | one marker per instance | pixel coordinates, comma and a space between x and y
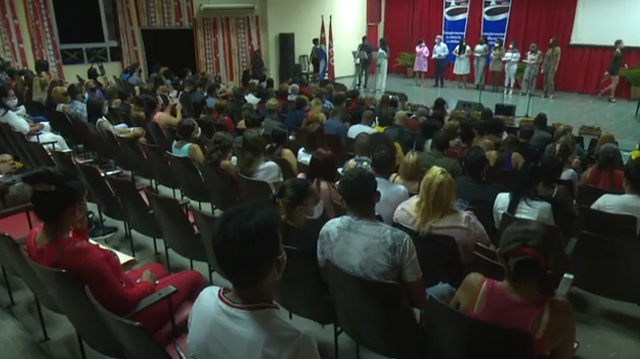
462, 67
511, 59
382, 64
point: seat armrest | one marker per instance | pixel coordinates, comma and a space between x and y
179, 351
565, 285
568, 250
84, 161
26, 207
45, 143
66, 151
164, 293
184, 202
112, 173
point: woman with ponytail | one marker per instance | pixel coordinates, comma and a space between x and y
517, 302
220, 154
298, 201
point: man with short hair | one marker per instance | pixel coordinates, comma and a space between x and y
254, 122
243, 322
363, 127
383, 162
399, 132
272, 121
541, 138
212, 94
185, 98
336, 124
525, 149
436, 156
364, 63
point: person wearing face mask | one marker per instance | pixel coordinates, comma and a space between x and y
495, 65
480, 53
534, 56
462, 67
421, 64
244, 321
440, 52
35, 132
298, 201
184, 146
511, 59
550, 67
97, 109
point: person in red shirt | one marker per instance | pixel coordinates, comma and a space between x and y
59, 200
606, 174
222, 115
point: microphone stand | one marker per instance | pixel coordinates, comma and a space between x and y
526, 115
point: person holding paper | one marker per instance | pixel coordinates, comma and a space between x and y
533, 59
440, 51
495, 65
480, 53
511, 59
421, 65
462, 67
383, 63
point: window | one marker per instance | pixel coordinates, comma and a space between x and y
87, 31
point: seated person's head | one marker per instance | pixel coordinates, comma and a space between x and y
466, 133
253, 152
560, 132
608, 157
246, 111
212, 90
475, 162
313, 137
428, 128
437, 197
495, 126
301, 103
451, 128
189, 85
385, 120
359, 191
632, 177
383, 155
96, 108
254, 121
248, 247
540, 121
524, 251
439, 105
124, 95
187, 129
58, 197
486, 114
440, 141
604, 139
273, 106
362, 145
525, 133
549, 171
400, 118
322, 166
75, 92
220, 149
339, 99
298, 200
410, 169
367, 118
221, 107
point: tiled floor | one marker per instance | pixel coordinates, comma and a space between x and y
570, 108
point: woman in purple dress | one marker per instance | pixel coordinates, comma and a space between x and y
420, 65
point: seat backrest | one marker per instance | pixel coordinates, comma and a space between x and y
608, 224
38, 153
374, 314
189, 179
159, 136
220, 185
608, 267
205, 223
588, 194
177, 230
101, 191
287, 171
136, 157
314, 300
162, 171
68, 292
251, 189
134, 338
13, 260
453, 334
485, 261
64, 160
136, 209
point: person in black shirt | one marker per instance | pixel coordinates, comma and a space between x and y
529, 152
364, 63
614, 70
298, 200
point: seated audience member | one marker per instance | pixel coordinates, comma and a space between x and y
506, 157
541, 137
410, 172
383, 162
558, 194
436, 156
76, 107
272, 121
384, 120
222, 117
125, 101
529, 152
399, 132
323, 175
627, 203
35, 132
253, 162
525, 200
495, 131
365, 247
428, 128
212, 95
253, 121
298, 201
244, 322
432, 211
312, 139
564, 151
441, 107
135, 77
236, 101
293, 119
246, 111
152, 110
604, 139
472, 187
563, 134
59, 201
294, 92
362, 148
220, 154
606, 174
363, 127
336, 125
463, 142
277, 148
315, 109
183, 146
517, 302
97, 108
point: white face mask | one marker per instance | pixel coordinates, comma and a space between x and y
234, 160
12, 103
317, 211
511, 46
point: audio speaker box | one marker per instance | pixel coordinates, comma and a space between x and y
287, 58
469, 106
503, 109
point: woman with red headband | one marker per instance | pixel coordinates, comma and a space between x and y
517, 302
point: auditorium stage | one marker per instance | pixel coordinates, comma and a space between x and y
571, 108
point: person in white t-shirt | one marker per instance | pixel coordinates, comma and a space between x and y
627, 203
253, 162
244, 322
363, 127
383, 162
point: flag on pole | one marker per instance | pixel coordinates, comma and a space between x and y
332, 74
322, 53
323, 35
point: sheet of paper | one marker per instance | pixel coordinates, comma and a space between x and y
125, 259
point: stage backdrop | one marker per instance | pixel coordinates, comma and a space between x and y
531, 21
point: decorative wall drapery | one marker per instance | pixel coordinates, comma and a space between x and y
164, 13
43, 34
226, 45
11, 46
127, 31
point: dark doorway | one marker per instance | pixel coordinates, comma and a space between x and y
173, 48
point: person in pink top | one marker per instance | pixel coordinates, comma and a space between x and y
517, 302
421, 63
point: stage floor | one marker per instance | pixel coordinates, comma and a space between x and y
571, 108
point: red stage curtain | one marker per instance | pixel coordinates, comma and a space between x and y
43, 34
11, 47
532, 21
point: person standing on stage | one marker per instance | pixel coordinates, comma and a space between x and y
462, 66
614, 71
314, 58
440, 52
550, 67
534, 56
495, 65
364, 63
511, 59
382, 63
421, 63
480, 53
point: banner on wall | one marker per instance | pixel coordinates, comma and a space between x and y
454, 24
332, 73
495, 19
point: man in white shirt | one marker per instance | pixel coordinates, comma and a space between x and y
383, 161
440, 52
244, 322
363, 127
627, 203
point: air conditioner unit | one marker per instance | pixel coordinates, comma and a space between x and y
226, 10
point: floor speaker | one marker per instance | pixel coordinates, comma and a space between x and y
469, 106
503, 109
287, 58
